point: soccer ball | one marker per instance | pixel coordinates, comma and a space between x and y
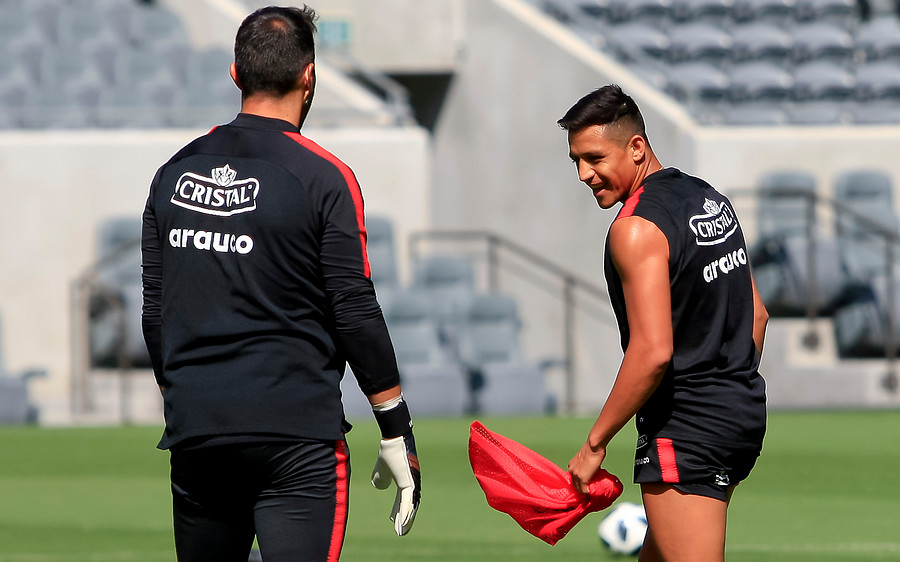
623, 530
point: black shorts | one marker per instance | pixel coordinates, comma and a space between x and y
291, 495
694, 468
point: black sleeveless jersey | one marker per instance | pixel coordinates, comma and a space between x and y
257, 288
711, 391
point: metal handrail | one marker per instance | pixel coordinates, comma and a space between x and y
891, 240
570, 284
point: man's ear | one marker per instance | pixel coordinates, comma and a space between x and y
232, 70
638, 146
308, 78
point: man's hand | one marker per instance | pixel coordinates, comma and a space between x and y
398, 461
584, 464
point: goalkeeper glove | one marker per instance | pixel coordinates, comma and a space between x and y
398, 461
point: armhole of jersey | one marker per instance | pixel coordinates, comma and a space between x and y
630, 204
352, 185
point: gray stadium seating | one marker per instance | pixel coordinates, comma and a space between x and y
382, 252
869, 193
880, 39
699, 42
739, 37
760, 82
761, 42
780, 257
114, 329
860, 325
783, 203
823, 81
780, 12
635, 41
717, 12
434, 383
844, 13
702, 87
447, 280
821, 41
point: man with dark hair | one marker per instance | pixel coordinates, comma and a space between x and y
256, 295
692, 327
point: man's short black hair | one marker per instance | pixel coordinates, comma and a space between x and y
273, 47
605, 106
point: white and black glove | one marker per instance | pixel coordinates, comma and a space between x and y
398, 462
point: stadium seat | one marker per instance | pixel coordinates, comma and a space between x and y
435, 390
382, 253
823, 81
843, 13
702, 87
114, 329
784, 280
204, 107
417, 334
15, 22
819, 113
754, 114
447, 280
28, 49
875, 113
151, 23
878, 81
783, 202
823, 42
488, 330
636, 41
76, 23
716, 12
118, 249
879, 39
429, 375
870, 194
760, 82
58, 108
653, 12
860, 324
761, 42
45, 14
779, 12
700, 42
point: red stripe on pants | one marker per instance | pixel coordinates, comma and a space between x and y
667, 464
340, 508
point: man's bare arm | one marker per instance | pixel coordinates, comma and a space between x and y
640, 253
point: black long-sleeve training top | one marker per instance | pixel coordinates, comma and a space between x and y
257, 288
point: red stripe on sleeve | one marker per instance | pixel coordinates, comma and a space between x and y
630, 204
340, 508
669, 468
352, 185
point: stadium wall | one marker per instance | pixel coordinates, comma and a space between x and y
61, 185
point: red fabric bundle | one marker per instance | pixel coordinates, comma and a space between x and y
536, 493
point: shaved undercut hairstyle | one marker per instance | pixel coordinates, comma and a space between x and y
608, 105
273, 47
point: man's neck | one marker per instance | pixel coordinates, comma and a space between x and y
287, 108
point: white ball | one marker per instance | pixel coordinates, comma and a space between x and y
623, 529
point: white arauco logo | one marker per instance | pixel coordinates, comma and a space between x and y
210, 241
222, 194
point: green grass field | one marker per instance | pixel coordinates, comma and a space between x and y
826, 488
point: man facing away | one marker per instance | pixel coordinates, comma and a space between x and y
256, 294
692, 326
